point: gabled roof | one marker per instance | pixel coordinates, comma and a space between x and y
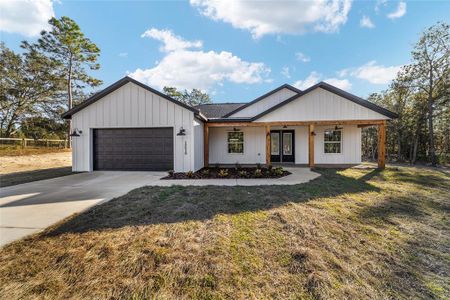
333, 90
287, 86
97, 96
217, 110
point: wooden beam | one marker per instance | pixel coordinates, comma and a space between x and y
381, 145
268, 145
205, 145
311, 146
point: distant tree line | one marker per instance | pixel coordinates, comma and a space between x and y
420, 95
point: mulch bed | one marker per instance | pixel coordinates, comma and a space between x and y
230, 173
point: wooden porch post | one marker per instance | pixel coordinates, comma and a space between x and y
205, 145
311, 145
381, 145
267, 144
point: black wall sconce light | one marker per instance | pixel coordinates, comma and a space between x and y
313, 133
236, 129
76, 133
285, 126
182, 132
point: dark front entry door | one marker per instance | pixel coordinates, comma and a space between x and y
282, 146
133, 149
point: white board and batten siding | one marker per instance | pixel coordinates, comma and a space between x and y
321, 105
254, 146
132, 106
264, 104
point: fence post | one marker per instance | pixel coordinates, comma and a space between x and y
65, 143
24, 143
46, 143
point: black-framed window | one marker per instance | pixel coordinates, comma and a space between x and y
235, 142
332, 141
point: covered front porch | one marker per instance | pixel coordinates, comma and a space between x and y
309, 143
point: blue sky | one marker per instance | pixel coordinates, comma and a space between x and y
238, 52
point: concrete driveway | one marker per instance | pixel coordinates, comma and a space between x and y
30, 207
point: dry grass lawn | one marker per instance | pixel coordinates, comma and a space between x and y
25, 165
350, 234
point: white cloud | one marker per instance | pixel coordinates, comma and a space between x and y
26, 17
187, 69
400, 12
312, 79
273, 17
123, 54
315, 77
366, 22
373, 73
302, 57
343, 84
285, 72
171, 42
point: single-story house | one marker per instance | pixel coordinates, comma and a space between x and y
131, 126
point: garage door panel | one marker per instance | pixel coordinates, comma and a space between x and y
133, 149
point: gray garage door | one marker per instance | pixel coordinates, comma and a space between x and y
133, 149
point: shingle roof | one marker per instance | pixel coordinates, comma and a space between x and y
217, 110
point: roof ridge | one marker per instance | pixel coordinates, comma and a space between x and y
247, 104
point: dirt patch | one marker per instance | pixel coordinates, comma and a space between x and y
14, 164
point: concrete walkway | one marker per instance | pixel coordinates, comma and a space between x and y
30, 207
299, 175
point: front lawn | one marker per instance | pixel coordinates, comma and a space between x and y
355, 233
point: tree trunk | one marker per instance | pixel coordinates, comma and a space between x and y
416, 145
70, 103
430, 129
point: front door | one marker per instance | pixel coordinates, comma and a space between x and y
282, 146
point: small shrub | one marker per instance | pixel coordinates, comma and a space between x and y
242, 173
237, 166
205, 172
269, 168
170, 172
258, 166
223, 173
190, 174
278, 171
258, 173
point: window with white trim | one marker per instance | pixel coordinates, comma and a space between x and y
332, 141
235, 142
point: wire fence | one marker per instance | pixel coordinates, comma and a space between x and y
23, 143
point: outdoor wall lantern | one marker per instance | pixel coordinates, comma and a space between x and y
236, 129
76, 133
182, 132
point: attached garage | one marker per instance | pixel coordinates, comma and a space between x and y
135, 149
130, 126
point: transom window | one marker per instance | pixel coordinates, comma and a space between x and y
235, 142
332, 141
